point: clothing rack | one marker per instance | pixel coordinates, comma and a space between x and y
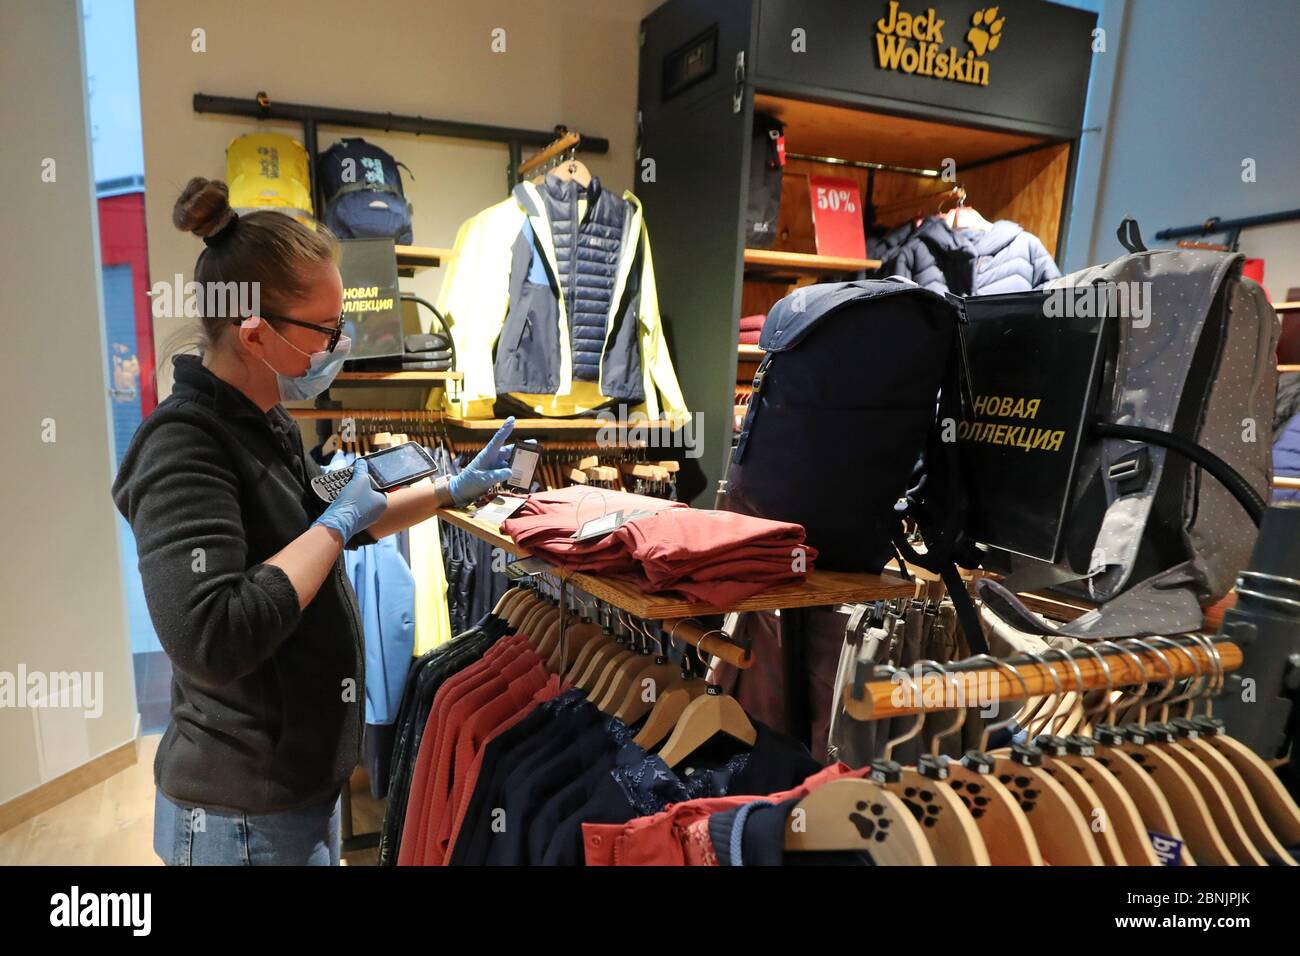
262, 107
1127, 663
1232, 227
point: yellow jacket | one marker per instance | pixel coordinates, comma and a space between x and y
499, 293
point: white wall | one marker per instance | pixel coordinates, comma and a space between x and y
61, 586
1198, 86
566, 61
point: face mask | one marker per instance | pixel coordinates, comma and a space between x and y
321, 371
319, 375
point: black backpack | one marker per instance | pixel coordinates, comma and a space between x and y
362, 190
851, 396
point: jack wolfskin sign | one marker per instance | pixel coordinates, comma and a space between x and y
269, 171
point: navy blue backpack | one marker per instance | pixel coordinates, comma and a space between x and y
844, 429
362, 190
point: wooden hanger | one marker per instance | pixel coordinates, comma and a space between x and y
1005, 829
1162, 740
577, 636
548, 646
1062, 832
858, 815
703, 719
963, 216
588, 652
594, 667
505, 600
949, 827
621, 681
1152, 805
1122, 813
649, 684
1195, 821
1252, 838
522, 608
1113, 817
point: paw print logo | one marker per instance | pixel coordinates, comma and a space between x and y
986, 31
971, 794
921, 803
1020, 787
873, 827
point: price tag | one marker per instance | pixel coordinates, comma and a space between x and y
837, 216
499, 509
599, 527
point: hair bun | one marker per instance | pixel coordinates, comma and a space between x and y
203, 207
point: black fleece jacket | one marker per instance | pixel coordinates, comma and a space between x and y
267, 700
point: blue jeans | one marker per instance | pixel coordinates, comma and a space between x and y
192, 836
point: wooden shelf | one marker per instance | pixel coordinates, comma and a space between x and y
802, 263
1284, 307
549, 424
751, 353
396, 378
819, 588
413, 259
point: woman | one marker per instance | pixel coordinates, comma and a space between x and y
241, 561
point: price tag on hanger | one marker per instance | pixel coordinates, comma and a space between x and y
837, 216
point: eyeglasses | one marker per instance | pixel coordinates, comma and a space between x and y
335, 332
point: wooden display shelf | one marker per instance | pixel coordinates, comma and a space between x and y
1281, 308
395, 378
413, 259
802, 263
751, 353
819, 588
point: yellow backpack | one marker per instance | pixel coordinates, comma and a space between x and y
269, 171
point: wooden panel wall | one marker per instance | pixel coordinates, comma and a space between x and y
1028, 189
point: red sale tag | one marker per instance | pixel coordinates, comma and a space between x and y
837, 217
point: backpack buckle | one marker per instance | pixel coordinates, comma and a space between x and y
1130, 472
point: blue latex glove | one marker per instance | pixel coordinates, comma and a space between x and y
358, 505
488, 469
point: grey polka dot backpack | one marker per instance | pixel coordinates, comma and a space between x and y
1172, 473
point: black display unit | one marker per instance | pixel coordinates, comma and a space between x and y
704, 63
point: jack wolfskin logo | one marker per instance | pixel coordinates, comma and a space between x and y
913, 43
986, 31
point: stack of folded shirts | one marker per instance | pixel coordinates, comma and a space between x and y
427, 353
713, 556
751, 327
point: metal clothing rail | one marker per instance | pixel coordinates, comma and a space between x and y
1232, 227
262, 107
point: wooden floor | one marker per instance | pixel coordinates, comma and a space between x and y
111, 824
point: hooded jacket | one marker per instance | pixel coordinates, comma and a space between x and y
1004, 258
544, 301
267, 699
1286, 458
